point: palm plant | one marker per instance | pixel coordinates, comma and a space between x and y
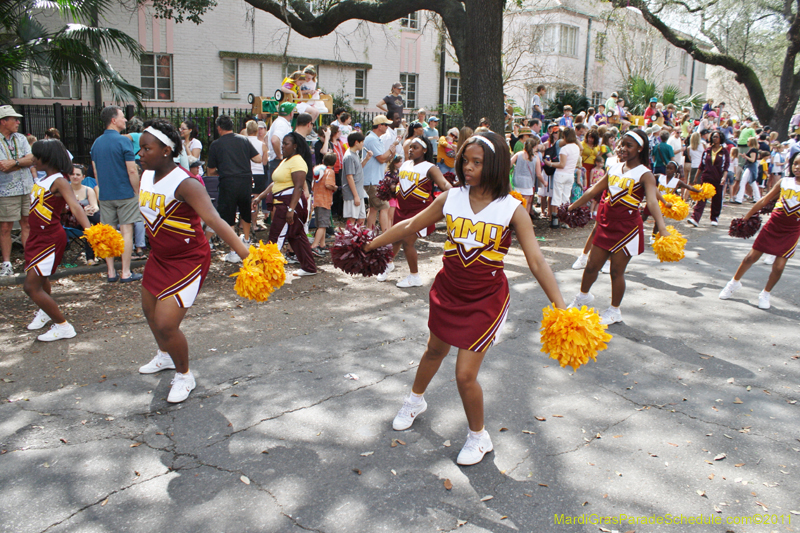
75, 48
573, 98
638, 92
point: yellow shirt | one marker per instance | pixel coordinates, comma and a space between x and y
282, 177
588, 153
443, 147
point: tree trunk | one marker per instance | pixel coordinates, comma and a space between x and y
477, 37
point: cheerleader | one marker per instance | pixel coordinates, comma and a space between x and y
469, 298
778, 237
174, 204
47, 240
668, 183
414, 193
619, 231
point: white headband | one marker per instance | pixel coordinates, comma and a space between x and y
485, 141
635, 137
160, 136
421, 142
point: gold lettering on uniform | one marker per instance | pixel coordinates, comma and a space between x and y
410, 176
156, 202
789, 193
622, 183
464, 228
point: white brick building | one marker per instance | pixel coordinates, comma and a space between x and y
239, 50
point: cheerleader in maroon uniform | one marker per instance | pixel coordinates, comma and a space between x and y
173, 202
47, 241
415, 193
619, 233
469, 298
778, 237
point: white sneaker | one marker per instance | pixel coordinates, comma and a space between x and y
580, 262
769, 259
408, 413
383, 276
651, 240
412, 280
693, 222
162, 361
182, 385
58, 332
606, 267
301, 272
714, 223
6, 269
232, 257
580, 300
611, 316
729, 289
39, 320
474, 449
763, 300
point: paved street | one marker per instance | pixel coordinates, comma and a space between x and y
691, 411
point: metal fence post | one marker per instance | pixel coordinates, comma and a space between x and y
59, 117
129, 111
80, 134
215, 114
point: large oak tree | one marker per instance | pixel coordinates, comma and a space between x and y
475, 28
717, 22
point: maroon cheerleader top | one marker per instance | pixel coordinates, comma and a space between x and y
780, 234
47, 239
469, 297
414, 193
180, 255
619, 223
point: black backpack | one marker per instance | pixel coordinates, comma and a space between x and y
550, 153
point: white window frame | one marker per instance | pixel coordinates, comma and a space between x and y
23, 86
700, 72
684, 64
667, 53
155, 77
226, 61
597, 98
360, 92
451, 80
410, 21
405, 78
568, 46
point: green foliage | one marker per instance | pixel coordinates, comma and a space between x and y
75, 48
192, 10
639, 91
555, 107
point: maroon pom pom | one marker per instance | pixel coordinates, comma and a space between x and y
577, 218
451, 178
387, 187
767, 209
744, 229
348, 253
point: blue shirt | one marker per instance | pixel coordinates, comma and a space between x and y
373, 169
135, 139
110, 152
89, 182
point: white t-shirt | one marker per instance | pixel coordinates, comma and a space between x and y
778, 161
388, 138
696, 156
256, 168
733, 165
677, 145
537, 102
570, 153
280, 128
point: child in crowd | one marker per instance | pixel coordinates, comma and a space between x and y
778, 159
393, 172
597, 174
469, 299
324, 187
732, 169
47, 240
353, 182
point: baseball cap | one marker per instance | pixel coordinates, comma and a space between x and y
654, 99
380, 119
262, 124
8, 111
357, 125
286, 109
433, 119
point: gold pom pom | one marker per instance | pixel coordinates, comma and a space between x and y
679, 209
669, 248
262, 272
707, 191
519, 197
573, 336
105, 241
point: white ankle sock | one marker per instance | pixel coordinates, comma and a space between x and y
63, 325
477, 433
415, 398
163, 354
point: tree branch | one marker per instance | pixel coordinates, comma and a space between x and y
304, 22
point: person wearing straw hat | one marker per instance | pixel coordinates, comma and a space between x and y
16, 182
